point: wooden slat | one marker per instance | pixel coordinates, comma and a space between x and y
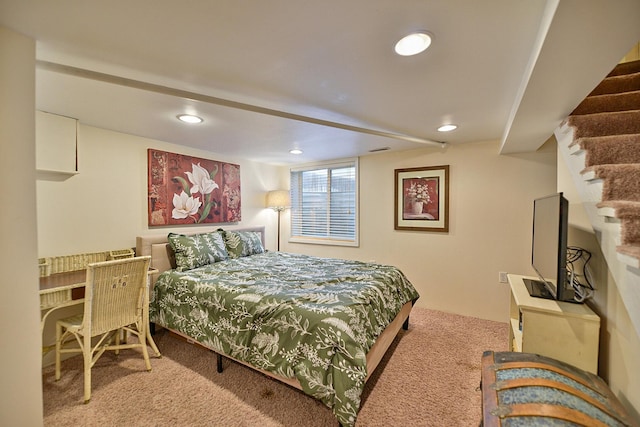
587, 379
553, 411
489, 396
494, 413
592, 382
543, 382
382, 344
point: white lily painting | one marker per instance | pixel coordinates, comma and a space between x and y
188, 190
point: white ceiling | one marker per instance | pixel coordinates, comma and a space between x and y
500, 69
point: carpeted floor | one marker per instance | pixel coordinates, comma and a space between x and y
429, 377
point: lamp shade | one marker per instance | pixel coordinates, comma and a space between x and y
278, 199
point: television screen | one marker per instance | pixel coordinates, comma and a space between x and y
549, 248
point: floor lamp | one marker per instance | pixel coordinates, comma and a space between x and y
278, 200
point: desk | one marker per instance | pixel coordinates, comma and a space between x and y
67, 289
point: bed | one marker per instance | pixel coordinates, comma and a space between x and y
321, 325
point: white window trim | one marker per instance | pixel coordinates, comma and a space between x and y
329, 241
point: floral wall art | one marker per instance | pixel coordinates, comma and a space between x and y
422, 198
189, 190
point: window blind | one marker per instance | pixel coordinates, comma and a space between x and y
324, 202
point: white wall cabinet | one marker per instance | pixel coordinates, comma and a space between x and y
564, 331
56, 145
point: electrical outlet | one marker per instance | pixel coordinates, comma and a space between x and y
502, 277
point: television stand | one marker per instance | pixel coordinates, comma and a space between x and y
563, 331
537, 289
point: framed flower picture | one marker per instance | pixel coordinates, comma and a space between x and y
189, 190
422, 199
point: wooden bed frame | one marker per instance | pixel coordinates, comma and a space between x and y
158, 247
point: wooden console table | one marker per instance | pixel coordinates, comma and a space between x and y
66, 289
561, 330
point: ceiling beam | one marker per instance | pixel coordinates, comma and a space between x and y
179, 93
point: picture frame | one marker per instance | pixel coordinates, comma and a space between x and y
188, 190
422, 199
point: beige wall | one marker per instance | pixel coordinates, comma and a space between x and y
104, 207
491, 199
619, 342
21, 386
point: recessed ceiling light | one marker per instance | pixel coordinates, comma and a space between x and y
189, 118
413, 44
447, 128
295, 151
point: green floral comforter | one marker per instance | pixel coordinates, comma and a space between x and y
309, 318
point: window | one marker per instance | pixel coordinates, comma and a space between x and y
324, 203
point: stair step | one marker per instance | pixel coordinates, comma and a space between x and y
610, 149
588, 174
609, 213
631, 231
630, 255
624, 101
620, 182
617, 84
623, 208
603, 124
629, 214
625, 68
598, 148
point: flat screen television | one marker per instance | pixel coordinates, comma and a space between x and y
549, 249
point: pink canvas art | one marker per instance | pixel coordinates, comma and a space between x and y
189, 190
420, 201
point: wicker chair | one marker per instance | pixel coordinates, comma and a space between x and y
114, 297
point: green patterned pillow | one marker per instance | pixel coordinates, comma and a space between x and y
242, 243
197, 250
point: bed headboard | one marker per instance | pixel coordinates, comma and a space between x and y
158, 245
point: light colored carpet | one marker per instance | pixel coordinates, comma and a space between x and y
429, 377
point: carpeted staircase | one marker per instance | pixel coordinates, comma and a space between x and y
606, 125
600, 142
